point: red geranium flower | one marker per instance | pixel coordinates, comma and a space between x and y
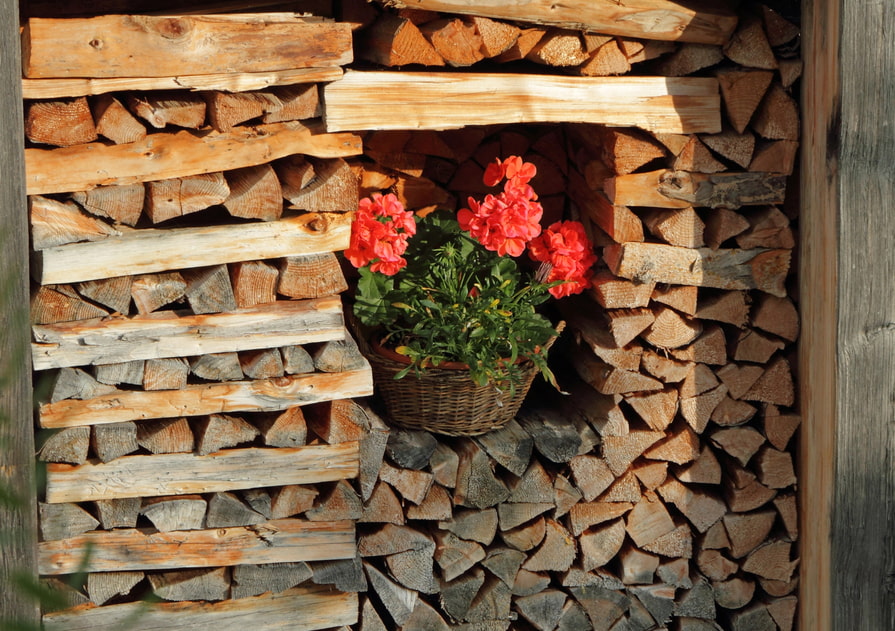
566, 248
379, 234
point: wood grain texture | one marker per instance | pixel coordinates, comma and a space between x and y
440, 100
154, 250
278, 541
18, 518
183, 474
165, 155
320, 607
649, 19
261, 395
175, 334
161, 46
848, 340
230, 82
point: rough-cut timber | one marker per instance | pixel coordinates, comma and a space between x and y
280, 541
263, 395
667, 188
161, 46
231, 82
760, 268
173, 334
178, 474
437, 100
648, 19
168, 155
320, 608
156, 250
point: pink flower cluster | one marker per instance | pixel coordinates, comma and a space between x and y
379, 234
506, 222
566, 248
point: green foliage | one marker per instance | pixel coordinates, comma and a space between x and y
458, 302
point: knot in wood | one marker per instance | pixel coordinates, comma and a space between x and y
172, 28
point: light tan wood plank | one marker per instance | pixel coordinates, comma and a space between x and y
321, 607
183, 474
229, 82
165, 155
648, 19
217, 398
173, 334
155, 250
440, 100
279, 541
162, 46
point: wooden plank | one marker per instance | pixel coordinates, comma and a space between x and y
18, 514
848, 348
168, 155
175, 334
707, 23
155, 250
278, 541
264, 395
442, 100
229, 82
760, 268
183, 474
667, 188
321, 607
162, 46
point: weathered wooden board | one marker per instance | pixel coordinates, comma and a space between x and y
229, 82
18, 519
701, 267
667, 188
164, 155
154, 250
278, 541
706, 23
297, 609
162, 46
182, 474
194, 400
114, 340
441, 100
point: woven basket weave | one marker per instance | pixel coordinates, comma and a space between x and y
445, 400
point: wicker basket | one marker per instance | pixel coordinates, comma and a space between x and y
445, 400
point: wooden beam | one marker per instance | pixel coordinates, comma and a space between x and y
18, 513
320, 607
278, 541
646, 19
260, 395
162, 46
847, 356
228, 82
182, 474
152, 250
165, 155
173, 334
442, 100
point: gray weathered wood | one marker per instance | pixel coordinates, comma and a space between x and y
18, 518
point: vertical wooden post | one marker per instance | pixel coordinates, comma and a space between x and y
18, 508
847, 375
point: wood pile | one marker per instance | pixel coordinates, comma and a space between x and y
199, 386
188, 333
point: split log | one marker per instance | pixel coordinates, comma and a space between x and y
218, 431
321, 608
291, 500
340, 503
738, 147
150, 292
291, 103
115, 122
254, 283
604, 17
311, 276
123, 372
226, 510
723, 269
254, 193
342, 355
81, 167
208, 289
296, 360
161, 109
606, 60
251, 580
217, 367
209, 585
442, 101
333, 189
688, 59
118, 513
56, 223
185, 512
455, 41
63, 521
392, 40
777, 117
145, 476
749, 47
61, 303
145, 46
742, 90
559, 48
103, 586
497, 36
263, 364
398, 601
66, 445
288, 429
114, 440
61, 123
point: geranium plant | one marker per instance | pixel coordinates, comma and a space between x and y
451, 287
